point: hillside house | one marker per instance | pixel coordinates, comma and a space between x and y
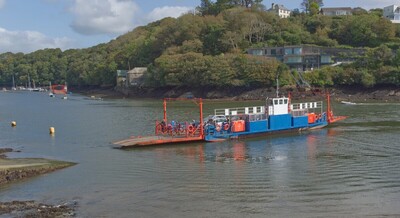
308, 57
280, 10
392, 13
121, 78
135, 76
336, 11
132, 77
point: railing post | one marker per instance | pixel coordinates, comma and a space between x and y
201, 117
165, 110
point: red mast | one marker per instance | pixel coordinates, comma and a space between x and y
331, 118
165, 110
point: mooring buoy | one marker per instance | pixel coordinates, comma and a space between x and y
52, 130
13, 124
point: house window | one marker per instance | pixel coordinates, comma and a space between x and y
297, 51
325, 59
258, 52
288, 51
273, 51
293, 60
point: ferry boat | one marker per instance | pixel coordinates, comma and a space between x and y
278, 115
58, 90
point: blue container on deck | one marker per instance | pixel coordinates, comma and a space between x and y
257, 126
280, 122
300, 121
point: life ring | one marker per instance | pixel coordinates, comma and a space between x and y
159, 128
218, 128
226, 126
190, 129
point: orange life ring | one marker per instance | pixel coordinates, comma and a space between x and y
226, 126
190, 129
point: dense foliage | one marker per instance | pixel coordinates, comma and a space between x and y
207, 48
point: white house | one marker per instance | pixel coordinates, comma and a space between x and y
392, 13
280, 10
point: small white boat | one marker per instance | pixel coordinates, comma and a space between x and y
348, 102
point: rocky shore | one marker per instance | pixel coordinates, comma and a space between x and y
354, 94
34, 209
23, 168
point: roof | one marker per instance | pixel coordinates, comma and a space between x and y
281, 7
337, 9
138, 70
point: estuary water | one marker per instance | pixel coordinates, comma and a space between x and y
350, 169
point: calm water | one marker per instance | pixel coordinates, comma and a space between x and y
349, 169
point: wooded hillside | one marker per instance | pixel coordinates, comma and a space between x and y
208, 48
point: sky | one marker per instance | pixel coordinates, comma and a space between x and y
30, 25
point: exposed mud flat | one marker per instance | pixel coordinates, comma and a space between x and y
23, 168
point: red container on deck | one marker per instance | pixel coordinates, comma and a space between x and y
311, 118
238, 126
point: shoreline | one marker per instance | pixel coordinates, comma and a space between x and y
16, 169
19, 169
352, 94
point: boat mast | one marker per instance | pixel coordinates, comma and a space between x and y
165, 110
328, 108
13, 84
277, 86
29, 81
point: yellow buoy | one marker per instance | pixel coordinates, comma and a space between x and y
13, 123
52, 130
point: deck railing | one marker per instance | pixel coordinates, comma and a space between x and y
300, 109
240, 110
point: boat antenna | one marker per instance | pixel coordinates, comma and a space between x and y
13, 82
277, 86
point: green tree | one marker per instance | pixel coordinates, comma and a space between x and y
363, 30
309, 5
